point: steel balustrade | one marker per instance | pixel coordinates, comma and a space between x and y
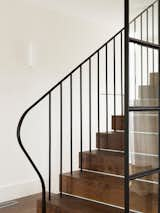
123, 34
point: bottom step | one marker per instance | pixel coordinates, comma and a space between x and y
68, 204
110, 189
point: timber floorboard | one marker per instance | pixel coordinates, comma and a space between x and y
24, 205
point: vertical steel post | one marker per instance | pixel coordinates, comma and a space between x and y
159, 100
135, 61
44, 210
121, 73
147, 47
61, 137
71, 126
114, 75
153, 35
126, 62
141, 28
90, 107
50, 145
98, 89
81, 120
107, 89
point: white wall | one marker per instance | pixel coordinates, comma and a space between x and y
59, 43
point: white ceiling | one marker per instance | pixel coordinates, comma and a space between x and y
99, 11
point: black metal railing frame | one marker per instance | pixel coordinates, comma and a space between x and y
125, 108
129, 108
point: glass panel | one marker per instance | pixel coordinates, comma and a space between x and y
143, 141
144, 195
144, 76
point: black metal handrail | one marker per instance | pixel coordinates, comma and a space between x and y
144, 43
48, 93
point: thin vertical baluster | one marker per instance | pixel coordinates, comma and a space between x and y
50, 146
121, 73
90, 109
141, 26
147, 48
98, 88
147, 27
159, 102
135, 61
61, 137
126, 48
71, 135
106, 88
153, 37
114, 75
81, 124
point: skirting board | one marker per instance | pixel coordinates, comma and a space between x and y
15, 191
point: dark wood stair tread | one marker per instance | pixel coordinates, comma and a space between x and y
110, 190
113, 163
94, 186
69, 204
114, 140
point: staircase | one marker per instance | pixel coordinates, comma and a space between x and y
120, 161
102, 178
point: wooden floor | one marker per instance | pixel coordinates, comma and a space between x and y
25, 205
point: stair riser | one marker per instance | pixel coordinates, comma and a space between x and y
154, 79
148, 92
110, 190
146, 102
145, 123
99, 189
104, 163
110, 141
118, 123
113, 163
149, 162
145, 143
